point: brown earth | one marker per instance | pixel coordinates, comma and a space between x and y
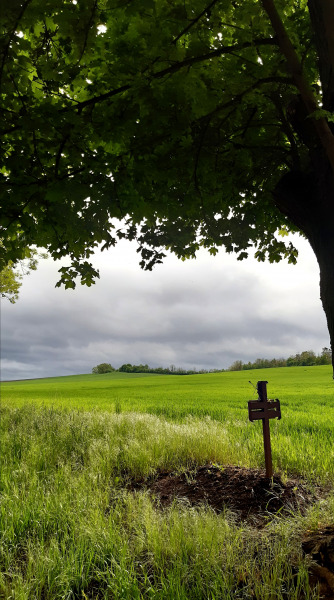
247, 492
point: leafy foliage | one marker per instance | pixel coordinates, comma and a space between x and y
169, 116
103, 368
11, 277
9, 284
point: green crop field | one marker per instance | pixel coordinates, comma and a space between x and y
70, 528
175, 396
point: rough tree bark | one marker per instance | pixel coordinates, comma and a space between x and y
307, 198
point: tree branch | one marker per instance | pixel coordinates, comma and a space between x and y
239, 97
328, 13
59, 153
294, 65
36, 152
10, 130
87, 31
249, 120
322, 19
287, 129
6, 48
199, 149
180, 65
194, 21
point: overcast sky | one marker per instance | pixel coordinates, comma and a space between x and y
203, 313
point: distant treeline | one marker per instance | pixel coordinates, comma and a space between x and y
304, 359
172, 370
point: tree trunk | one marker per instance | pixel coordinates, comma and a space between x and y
307, 198
325, 256
308, 201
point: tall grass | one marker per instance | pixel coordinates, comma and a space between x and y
69, 529
139, 444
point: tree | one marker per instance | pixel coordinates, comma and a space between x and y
126, 368
326, 357
306, 358
11, 277
103, 368
9, 284
197, 123
236, 366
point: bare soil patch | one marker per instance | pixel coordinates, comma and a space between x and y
247, 492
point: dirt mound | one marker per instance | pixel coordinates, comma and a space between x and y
247, 492
319, 546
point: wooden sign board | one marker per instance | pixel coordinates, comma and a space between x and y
264, 410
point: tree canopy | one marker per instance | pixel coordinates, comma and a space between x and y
171, 116
194, 123
103, 368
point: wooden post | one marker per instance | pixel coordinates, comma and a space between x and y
262, 391
265, 410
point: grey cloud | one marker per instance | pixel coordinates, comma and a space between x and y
203, 314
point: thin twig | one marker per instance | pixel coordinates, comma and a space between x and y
59, 153
87, 31
239, 97
194, 21
36, 152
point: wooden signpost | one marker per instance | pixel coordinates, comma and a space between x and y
264, 409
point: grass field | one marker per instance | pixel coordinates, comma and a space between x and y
175, 396
69, 529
